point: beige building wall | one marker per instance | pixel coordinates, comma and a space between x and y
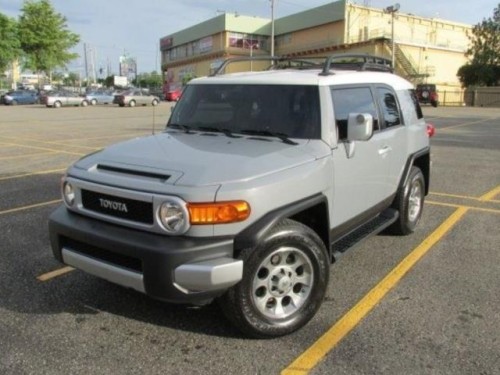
434, 48
310, 39
427, 50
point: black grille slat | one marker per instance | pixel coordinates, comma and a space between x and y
122, 208
95, 252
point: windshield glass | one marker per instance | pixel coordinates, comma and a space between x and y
291, 110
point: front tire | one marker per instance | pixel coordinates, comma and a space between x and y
410, 203
284, 282
132, 103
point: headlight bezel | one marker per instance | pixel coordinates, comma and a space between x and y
68, 193
176, 205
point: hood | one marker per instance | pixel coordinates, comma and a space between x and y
198, 159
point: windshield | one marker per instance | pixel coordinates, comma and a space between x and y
289, 110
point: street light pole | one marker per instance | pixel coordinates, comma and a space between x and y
272, 27
392, 10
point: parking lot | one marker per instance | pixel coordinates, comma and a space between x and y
428, 303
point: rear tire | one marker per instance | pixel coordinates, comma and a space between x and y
57, 104
409, 202
154, 103
93, 102
84, 103
284, 282
132, 103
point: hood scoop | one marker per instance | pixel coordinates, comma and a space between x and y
132, 172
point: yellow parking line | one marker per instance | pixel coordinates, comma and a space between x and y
45, 142
23, 208
453, 196
490, 210
314, 354
466, 124
490, 194
55, 273
43, 148
26, 155
32, 174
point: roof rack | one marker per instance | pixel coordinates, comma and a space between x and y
359, 62
222, 67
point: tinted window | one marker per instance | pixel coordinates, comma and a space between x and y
289, 109
416, 104
352, 100
390, 108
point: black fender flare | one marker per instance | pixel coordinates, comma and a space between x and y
252, 235
425, 168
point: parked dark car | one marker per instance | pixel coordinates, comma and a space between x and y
427, 94
20, 97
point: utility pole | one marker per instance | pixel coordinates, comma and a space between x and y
86, 62
392, 10
272, 27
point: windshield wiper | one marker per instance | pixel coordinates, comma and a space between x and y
187, 129
226, 132
266, 133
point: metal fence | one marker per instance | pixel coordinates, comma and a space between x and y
482, 97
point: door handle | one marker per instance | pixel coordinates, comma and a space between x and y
384, 150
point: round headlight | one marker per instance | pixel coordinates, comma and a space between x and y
68, 193
173, 216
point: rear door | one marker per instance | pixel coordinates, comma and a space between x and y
393, 127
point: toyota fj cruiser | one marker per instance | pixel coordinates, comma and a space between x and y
258, 182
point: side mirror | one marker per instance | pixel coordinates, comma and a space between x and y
359, 126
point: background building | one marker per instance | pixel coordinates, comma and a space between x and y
426, 50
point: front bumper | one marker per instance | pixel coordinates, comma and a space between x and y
174, 269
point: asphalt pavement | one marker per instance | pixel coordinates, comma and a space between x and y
428, 303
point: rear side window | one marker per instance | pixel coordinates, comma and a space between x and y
352, 100
389, 106
416, 104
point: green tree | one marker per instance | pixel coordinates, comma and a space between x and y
71, 79
9, 42
152, 79
45, 37
484, 53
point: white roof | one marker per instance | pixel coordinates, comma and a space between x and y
307, 77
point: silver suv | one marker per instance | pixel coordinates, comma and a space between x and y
259, 181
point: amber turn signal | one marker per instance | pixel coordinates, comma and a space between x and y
218, 213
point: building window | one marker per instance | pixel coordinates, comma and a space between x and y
283, 40
247, 41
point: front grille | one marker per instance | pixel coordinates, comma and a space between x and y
118, 207
98, 253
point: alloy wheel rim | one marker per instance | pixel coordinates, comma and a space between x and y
415, 202
283, 283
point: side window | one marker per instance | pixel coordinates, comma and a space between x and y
352, 100
390, 108
414, 98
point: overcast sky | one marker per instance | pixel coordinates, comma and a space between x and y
112, 27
